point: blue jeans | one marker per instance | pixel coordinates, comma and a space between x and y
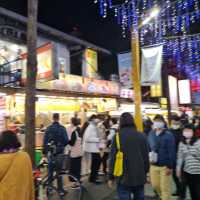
124, 192
51, 170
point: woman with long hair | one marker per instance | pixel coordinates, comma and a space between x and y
189, 160
134, 147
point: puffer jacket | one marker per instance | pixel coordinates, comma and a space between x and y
91, 139
164, 145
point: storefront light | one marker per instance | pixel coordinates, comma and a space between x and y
14, 47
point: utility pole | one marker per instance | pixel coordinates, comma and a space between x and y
135, 51
31, 78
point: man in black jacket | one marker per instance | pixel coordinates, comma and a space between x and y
135, 160
176, 130
55, 137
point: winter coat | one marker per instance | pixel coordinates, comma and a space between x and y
134, 146
58, 134
164, 145
91, 139
16, 177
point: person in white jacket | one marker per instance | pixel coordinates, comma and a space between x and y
91, 144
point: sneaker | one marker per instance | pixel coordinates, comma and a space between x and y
175, 194
62, 193
75, 187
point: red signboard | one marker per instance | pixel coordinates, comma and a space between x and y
46, 63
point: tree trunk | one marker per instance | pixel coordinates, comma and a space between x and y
31, 78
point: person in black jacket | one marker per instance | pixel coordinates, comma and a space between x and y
55, 137
135, 163
177, 131
76, 151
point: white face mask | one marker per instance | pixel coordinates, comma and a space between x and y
96, 121
158, 125
175, 126
188, 134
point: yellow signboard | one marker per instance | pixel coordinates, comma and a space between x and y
156, 90
90, 63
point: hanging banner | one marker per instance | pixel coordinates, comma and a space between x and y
90, 64
151, 65
125, 70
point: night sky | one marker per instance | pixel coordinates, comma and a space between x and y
81, 18
81, 15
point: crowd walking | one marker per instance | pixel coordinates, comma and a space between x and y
106, 146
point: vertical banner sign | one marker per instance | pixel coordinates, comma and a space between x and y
151, 65
125, 70
184, 91
173, 92
90, 63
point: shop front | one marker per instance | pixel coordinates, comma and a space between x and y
49, 102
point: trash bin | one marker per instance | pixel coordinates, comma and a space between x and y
38, 156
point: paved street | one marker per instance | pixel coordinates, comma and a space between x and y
102, 192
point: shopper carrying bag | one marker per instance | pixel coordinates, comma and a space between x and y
129, 162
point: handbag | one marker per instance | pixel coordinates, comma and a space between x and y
118, 165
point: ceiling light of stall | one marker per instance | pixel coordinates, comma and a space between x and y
20, 94
2, 94
14, 47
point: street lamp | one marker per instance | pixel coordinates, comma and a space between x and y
153, 14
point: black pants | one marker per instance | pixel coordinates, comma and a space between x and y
96, 162
75, 168
193, 181
104, 161
180, 185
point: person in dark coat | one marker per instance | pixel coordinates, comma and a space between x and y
134, 146
162, 157
176, 130
55, 137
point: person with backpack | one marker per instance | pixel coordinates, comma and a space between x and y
162, 157
55, 137
76, 152
129, 161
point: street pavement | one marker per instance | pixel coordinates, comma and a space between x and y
101, 192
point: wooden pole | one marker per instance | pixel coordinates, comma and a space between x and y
31, 78
136, 80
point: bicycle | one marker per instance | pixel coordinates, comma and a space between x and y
45, 188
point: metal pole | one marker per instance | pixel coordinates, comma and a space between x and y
135, 47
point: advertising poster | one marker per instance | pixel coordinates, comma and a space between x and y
125, 70
46, 63
151, 65
173, 92
90, 63
184, 91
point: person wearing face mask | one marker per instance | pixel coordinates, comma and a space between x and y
91, 144
176, 130
162, 157
189, 161
196, 122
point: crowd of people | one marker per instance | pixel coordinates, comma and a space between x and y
114, 148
